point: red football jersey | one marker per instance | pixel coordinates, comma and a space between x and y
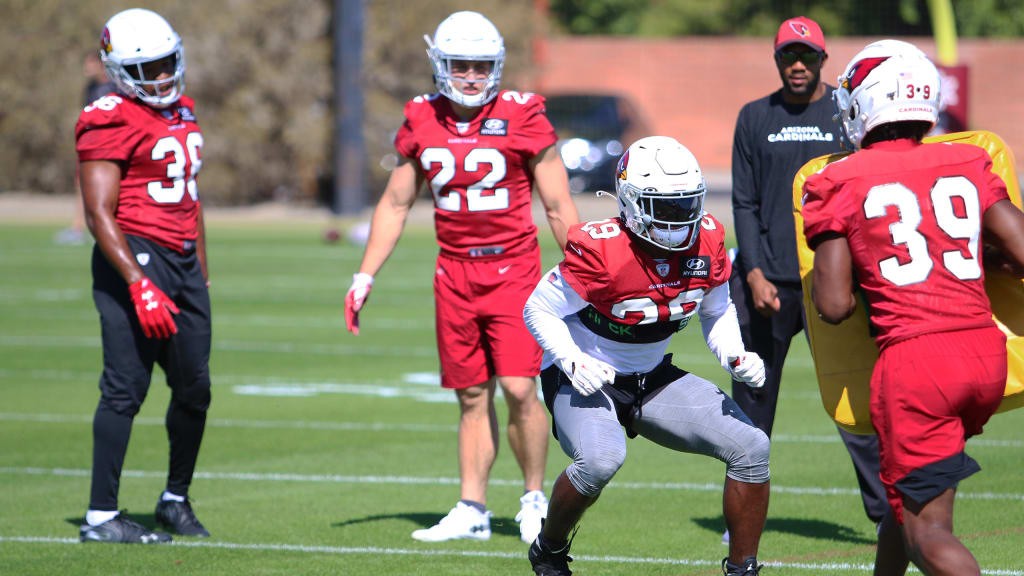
640, 298
478, 171
912, 214
160, 154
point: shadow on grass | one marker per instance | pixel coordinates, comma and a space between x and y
147, 520
808, 528
499, 525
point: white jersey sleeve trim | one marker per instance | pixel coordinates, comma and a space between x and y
545, 311
720, 325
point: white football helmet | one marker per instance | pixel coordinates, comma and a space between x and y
660, 189
466, 35
887, 81
131, 40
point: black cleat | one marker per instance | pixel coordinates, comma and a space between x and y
549, 563
122, 530
749, 567
179, 518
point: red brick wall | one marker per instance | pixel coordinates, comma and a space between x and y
693, 88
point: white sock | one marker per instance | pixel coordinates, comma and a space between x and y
97, 517
169, 496
534, 495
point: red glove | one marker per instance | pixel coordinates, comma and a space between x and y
154, 309
354, 300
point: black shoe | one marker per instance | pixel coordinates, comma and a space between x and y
179, 518
750, 567
548, 563
121, 529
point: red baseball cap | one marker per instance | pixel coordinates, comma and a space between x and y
800, 29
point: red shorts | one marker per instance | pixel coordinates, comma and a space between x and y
928, 394
480, 327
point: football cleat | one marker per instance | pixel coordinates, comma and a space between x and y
121, 530
749, 567
533, 509
463, 521
179, 518
547, 562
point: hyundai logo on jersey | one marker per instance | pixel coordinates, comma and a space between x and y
494, 127
696, 267
186, 114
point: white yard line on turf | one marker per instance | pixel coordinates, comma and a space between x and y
344, 550
443, 481
397, 427
300, 348
21, 341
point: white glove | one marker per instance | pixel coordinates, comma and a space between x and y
588, 373
748, 368
354, 300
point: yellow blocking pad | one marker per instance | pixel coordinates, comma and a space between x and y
845, 355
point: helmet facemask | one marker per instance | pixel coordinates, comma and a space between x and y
661, 193
138, 46
139, 78
466, 36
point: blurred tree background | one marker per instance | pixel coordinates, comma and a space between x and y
987, 18
261, 71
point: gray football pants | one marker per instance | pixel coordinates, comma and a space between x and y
689, 415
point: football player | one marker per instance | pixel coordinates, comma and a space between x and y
774, 136
904, 219
481, 150
604, 317
139, 152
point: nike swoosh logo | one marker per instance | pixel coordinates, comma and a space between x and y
575, 249
504, 269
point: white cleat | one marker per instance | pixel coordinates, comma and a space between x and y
534, 508
462, 522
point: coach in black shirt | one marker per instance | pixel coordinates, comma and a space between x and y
774, 137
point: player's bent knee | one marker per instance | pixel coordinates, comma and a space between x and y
591, 473
196, 396
122, 405
750, 462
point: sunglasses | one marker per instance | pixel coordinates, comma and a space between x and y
789, 57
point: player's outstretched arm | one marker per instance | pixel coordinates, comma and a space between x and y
721, 328
389, 216
1004, 223
833, 278
101, 187
201, 245
553, 188
385, 229
544, 314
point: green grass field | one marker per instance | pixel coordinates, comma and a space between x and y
324, 450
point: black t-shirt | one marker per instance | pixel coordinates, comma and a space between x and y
94, 90
772, 141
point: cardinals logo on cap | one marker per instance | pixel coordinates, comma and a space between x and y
800, 29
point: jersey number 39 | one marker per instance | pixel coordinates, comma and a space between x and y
905, 230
